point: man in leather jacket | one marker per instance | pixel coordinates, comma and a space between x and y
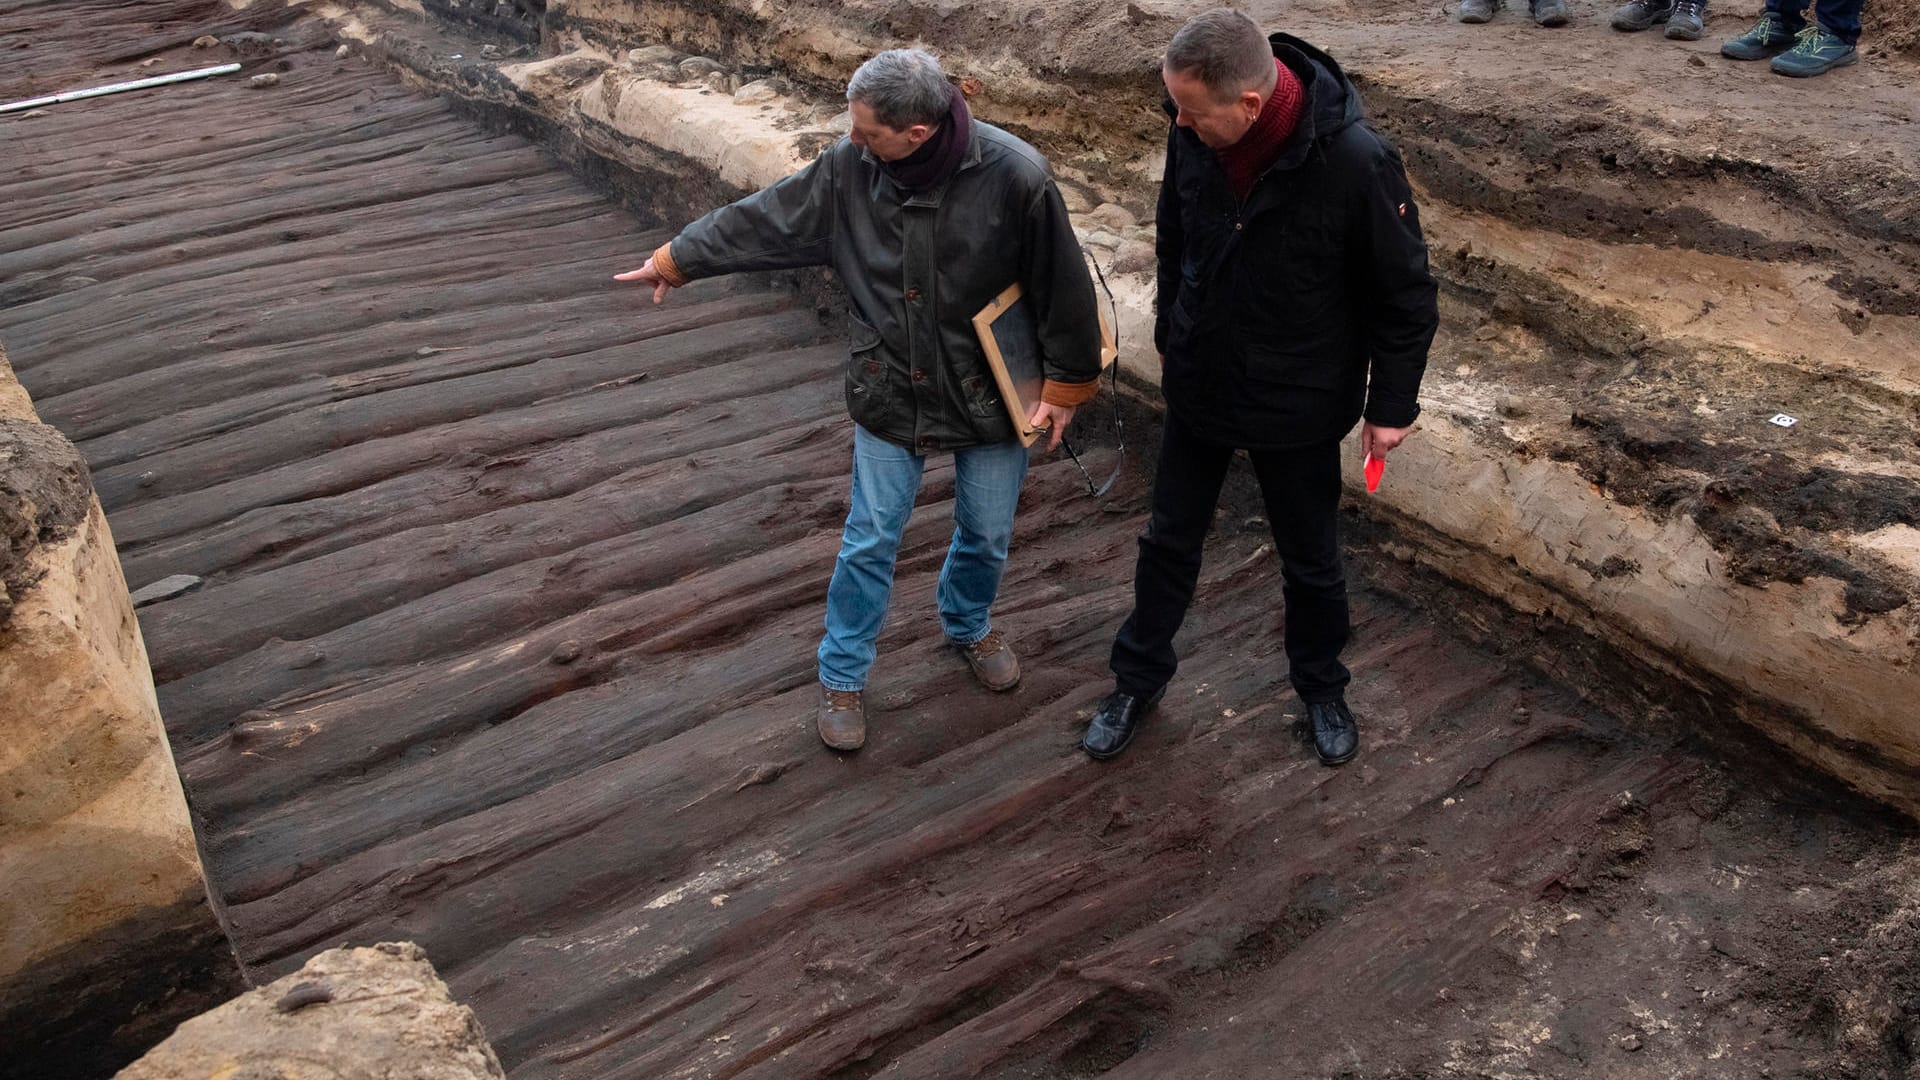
925, 215
1294, 301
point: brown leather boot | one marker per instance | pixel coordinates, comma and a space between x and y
993, 662
842, 720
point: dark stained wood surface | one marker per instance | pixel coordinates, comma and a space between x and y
506, 647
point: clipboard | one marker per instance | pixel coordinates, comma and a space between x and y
1010, 336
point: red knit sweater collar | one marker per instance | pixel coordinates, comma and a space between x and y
1259, 148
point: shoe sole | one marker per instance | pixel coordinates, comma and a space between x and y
1552, 20
1116, 751
1630, 27
1002, 688
1325, 760
1475, 20
1851, 59
1675, 33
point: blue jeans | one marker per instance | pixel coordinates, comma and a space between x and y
1842, 17
986, 489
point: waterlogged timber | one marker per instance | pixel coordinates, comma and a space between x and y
503, 644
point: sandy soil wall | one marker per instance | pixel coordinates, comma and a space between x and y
107, 936
347, 1014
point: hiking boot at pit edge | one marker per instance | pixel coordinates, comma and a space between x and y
1476, 11
1641, 14
1688, 21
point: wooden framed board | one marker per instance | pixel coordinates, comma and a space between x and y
1010, 336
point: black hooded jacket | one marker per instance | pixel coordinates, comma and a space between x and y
1284, 319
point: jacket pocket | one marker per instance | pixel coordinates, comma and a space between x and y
1180, 320
982, 396
869, 387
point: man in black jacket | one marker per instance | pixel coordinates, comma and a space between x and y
1294, 301
925, 214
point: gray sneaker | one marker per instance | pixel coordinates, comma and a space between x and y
1769, 37
1688, 21
1475, 11
1550, 12
1641, 14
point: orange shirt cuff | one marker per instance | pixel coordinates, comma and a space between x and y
669, 270
1069, 395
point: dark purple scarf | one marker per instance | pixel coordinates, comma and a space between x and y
939, 157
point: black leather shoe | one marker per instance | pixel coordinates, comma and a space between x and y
1115, 722
1335, 736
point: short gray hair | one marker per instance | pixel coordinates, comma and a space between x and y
1225, 51
903, 87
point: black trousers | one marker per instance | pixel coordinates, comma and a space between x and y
1301, 488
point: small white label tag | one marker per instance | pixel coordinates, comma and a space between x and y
1782, 420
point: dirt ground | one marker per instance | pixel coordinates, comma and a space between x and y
1897, 26
512, 585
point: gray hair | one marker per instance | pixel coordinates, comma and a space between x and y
903, 87
1225, 51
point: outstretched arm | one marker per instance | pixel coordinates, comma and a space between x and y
649, 275
785, 225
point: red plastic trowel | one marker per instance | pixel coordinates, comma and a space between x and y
1376, 468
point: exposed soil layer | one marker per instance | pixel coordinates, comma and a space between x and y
44, 495
1730, 199
506, 648
1896, 26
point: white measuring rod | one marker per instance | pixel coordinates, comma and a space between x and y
118, 88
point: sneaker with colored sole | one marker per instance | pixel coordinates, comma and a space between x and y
1817, 52
1769, 37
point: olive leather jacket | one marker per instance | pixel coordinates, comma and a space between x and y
916, 268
